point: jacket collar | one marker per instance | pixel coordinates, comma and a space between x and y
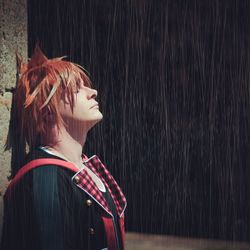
85, 182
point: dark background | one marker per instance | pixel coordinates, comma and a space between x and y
173, 83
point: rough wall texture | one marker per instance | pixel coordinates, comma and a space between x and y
13, 36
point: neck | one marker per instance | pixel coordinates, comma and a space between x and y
69, 143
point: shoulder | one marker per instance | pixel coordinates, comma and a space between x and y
48, 170
41, 179
39, 183
49, 185
52, 178
48, 178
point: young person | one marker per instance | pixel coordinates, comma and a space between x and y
58, 198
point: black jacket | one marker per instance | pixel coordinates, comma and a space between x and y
46, 210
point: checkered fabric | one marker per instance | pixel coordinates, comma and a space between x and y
87, 184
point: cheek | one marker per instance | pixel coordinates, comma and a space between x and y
81, 102
81, 107
64, 109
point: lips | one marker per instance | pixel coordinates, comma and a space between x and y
96, 105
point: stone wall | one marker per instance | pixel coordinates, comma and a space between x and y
13, 37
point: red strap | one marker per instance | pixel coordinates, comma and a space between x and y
39, 162
110, 232
122, 228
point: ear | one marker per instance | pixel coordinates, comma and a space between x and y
38, 58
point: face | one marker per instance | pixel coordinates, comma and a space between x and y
86, 110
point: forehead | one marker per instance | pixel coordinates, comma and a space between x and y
74, 76
76, 81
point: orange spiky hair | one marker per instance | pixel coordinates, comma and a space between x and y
41, 85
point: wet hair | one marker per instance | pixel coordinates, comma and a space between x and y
41, 84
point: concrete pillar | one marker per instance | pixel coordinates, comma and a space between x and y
13, 36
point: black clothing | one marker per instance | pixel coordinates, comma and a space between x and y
46, 211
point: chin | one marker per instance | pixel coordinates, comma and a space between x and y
95, 119
92, 117
92, 123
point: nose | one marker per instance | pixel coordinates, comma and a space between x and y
92, 93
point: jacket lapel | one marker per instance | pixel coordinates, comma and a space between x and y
85, 182
101, 171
